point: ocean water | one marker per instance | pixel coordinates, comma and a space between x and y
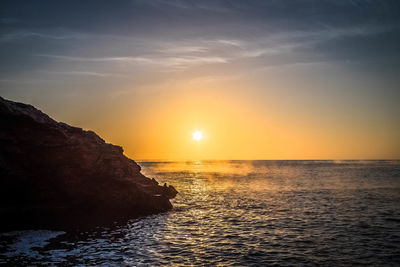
243, 213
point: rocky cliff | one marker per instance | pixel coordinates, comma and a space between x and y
56, 175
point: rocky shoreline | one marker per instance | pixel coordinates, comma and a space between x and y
54, 175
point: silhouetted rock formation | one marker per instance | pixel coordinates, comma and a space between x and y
56, 175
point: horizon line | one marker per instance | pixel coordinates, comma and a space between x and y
194, 160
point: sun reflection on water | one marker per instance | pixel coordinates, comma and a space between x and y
255, 213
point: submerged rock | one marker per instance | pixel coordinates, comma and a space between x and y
56, 175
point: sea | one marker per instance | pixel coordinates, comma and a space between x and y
241, 213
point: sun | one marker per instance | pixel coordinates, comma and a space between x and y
197, 136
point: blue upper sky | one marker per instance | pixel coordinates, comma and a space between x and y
258, 33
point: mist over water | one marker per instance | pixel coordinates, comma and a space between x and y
243, 213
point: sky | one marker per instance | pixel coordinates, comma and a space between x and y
312, 79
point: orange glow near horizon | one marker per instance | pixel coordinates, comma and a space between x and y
239, 117
234, 126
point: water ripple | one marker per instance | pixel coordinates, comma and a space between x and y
239, 213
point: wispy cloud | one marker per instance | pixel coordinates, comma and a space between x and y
92, 59
285, 47
212, 6
23, 81
165, 61
286, 42
23, 34
182, 49
193, 60
85, 73
237, 43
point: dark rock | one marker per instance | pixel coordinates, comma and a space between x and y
170, 191
55, 175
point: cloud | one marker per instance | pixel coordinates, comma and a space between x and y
213, 6
93, 59
236, 43
24, 81
173, 48
152, 36
295, 48
24, 34
85, 73
164, 61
